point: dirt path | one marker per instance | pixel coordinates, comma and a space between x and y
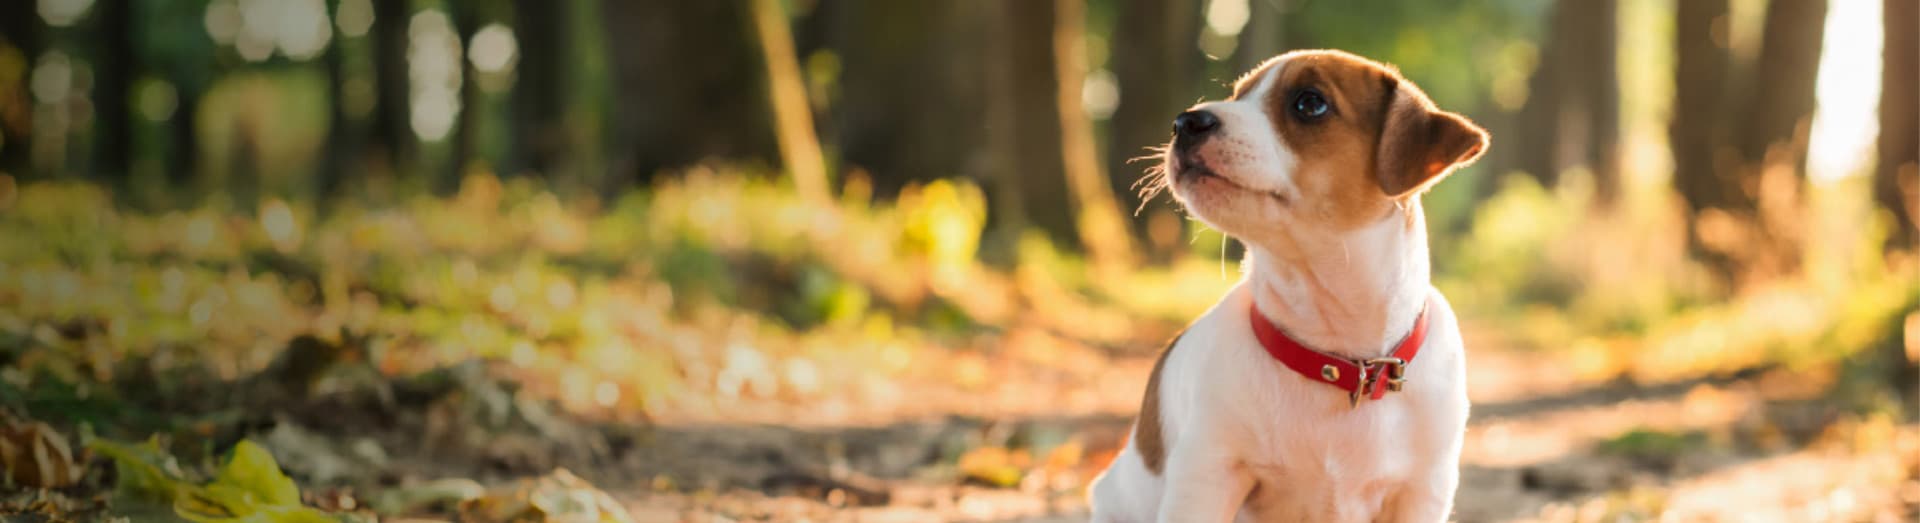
1754, 443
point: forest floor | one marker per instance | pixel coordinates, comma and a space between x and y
1755, 445
715, 350
459, 443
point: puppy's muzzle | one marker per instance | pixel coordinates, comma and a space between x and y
1192, 128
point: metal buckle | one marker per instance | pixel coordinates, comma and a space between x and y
1394, 369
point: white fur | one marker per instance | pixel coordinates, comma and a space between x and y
1249, 439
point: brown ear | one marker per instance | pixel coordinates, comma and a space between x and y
1420, 144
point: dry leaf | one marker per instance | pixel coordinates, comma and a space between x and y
35, 455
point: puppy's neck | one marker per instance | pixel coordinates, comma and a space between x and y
1355, 294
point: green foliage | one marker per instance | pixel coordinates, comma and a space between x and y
1442, 45
145, 471
249, 488
1653, 445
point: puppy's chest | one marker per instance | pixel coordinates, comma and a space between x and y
1366, 444
1333, 469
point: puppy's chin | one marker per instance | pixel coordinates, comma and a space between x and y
1221, 203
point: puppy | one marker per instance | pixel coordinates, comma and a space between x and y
1329, 384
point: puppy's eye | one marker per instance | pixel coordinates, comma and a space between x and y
1309, 104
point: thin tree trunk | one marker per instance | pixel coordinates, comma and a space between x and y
1896, 180
393, 128
536, 87
1264, 36
19, 28
1703, 179
1007, 216
343, 143
1036, 129
1099, 222
1781, 110
112, 151
1776, 134
792, 115
467, 126
1600, 95
703, 57
1156, 67
1572, 116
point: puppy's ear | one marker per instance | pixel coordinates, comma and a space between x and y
1420, 144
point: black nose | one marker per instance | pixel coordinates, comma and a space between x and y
1195, 124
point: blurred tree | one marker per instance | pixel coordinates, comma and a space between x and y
536, 86
1896, 179
1158, 68
483, 142
113, 73
912, 87
19, 37
689, 82
1038, 151
392, 126
1264, 36
1700, 79
1780, 108
1702, 175
1723, 156
1572, 114
792, 115
1097, 217
342, 162
177, 60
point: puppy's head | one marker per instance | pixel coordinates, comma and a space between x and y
1313, 140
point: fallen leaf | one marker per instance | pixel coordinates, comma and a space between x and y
37, 456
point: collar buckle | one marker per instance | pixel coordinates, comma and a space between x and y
1394, 369
1372, 371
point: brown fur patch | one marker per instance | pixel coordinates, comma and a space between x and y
1348, 159
1419, 144
1148, 434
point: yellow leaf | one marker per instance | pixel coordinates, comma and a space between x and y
253, 471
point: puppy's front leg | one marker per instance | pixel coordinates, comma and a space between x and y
1425, 502
1204, 484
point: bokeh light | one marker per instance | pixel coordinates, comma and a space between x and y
434, 71
61, 13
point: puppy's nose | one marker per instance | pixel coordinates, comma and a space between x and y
1195, 124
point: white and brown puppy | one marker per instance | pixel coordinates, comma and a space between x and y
1284, 402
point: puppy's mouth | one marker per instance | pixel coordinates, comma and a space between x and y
1189, 169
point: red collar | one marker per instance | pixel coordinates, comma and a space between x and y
1354, 376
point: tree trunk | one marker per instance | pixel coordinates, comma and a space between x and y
897, 57
19, 30
1780, 111
536, 87
1703, 178
1003, 178
792, 114
468, 127
689, 83
1102, 229
1157, 66
1039, 153
1263, 37
342, 153
1775, 136
1572, 116
1600, 95
112, 149
1896, 180
392, 128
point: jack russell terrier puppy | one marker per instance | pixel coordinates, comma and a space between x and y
1329, 384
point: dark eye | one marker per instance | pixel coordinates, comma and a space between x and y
1310, 105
